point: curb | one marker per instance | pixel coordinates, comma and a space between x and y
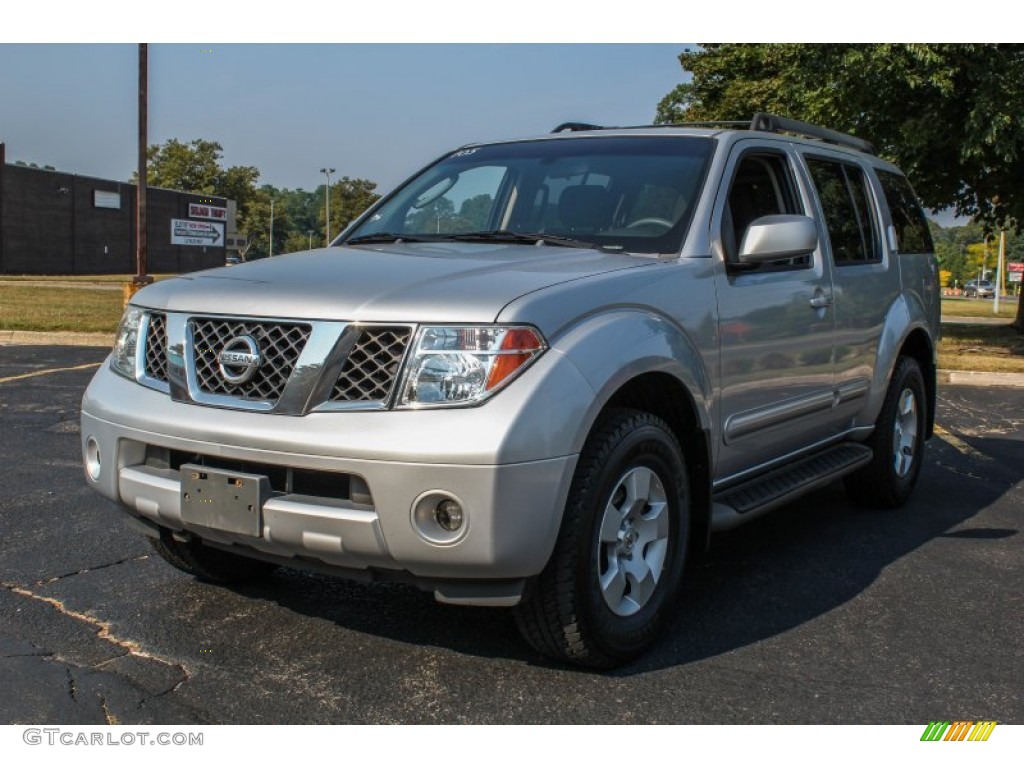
56, 338
982, 379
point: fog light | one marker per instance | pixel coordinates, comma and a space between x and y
449, 515
440, 517
92, 458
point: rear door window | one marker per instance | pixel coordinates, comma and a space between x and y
849, 215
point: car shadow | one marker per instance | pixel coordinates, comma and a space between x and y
754, 583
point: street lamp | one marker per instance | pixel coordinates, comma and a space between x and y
327, 200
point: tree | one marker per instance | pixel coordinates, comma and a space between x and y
349, 198
303, 209
950, 115
195, 167
192, 167
255, 222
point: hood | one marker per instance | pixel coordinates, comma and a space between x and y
414, 282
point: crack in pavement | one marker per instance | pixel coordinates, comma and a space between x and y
53, 579
103, 630
71, 684
40, 655
111, 717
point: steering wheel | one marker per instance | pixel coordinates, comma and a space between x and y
652, 220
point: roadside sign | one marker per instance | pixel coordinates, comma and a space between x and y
1014, 271
204, 211
186, 232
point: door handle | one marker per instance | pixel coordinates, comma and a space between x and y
821, 300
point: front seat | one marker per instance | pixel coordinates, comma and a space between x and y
585, 209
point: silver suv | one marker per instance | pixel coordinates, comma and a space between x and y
980, 289
538, 375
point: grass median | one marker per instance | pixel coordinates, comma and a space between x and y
85, 279
988, 348
37, 308
954, 307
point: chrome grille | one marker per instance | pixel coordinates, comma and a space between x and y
372, 365
156, 347
280, 345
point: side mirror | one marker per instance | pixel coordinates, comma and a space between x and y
771, 238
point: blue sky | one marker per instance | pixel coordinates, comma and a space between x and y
372, 111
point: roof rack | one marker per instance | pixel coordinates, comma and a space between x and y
697, 124
579, 127
762, 121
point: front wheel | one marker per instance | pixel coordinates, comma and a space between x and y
606, 592
897, 442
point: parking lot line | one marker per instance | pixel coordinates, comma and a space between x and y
954, 441
48, 371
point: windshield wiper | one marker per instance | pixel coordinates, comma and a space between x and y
495, 236
391, 237
532, 238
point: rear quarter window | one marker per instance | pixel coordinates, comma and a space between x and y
912, 233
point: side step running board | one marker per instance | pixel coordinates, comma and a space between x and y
744, 502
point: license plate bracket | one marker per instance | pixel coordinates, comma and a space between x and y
223, 500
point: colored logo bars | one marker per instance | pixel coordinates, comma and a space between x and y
960, 730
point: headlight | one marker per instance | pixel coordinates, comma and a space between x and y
451, 366
127, 343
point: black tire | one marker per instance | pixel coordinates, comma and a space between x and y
888, 481
209, 563
568, 616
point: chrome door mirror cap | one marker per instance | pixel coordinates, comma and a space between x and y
771, 238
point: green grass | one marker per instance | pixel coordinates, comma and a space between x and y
989, 348
36, 308
977, 308
75, 278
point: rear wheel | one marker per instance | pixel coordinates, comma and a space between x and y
897, 442
607, 590
209, 563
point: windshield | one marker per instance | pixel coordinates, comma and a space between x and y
634, 194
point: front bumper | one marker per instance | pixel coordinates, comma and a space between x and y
512, 510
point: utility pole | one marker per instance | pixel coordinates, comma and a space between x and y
327, 200
141, 277
271, 226
3, 164
142, 246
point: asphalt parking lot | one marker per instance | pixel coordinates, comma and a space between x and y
820, 613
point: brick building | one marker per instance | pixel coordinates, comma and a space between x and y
55, 223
